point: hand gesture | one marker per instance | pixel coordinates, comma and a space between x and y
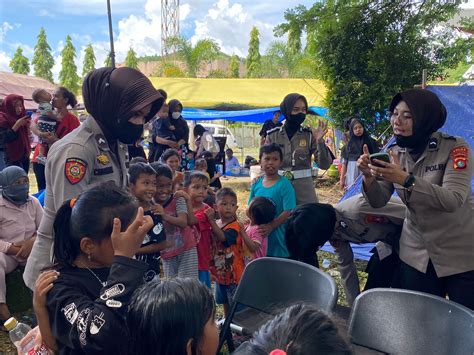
157, 209
265, 229
183, 194
127, 243
44, 283
391, 172
210, 214
320, 130
364, 161
20, 123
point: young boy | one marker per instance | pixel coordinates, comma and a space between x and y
142, 185
278, 189
196, 185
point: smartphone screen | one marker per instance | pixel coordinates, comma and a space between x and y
379, 156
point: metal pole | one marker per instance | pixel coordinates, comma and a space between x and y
111, 35
424, 78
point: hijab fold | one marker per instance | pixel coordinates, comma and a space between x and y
20, 147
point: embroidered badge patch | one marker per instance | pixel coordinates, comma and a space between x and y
460, 157
103, 159
302, 143
75, 170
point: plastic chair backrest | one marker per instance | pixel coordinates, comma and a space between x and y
268, 284
407, 322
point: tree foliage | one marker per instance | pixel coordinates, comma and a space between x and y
253, 57
366, 51
194, 56
234, 67
43, 60
68, 75
108, 60
282, 61
19, 63
89, 60
131, 60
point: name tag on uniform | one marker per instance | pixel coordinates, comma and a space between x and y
103, 171
435, 167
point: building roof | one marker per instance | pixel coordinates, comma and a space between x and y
23, 85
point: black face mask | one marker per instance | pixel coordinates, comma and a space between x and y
297, 119
129, 133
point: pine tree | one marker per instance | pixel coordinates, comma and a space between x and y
234, 67
89, 60
253, 57
68, 75
19, 63
43, 60
131, 60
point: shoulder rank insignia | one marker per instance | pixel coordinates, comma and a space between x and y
103, 159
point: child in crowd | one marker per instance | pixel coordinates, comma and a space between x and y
191, 160
136, 160
196, 186
46, 120
227, 263
261, 211
95, 240
300, 329
201, 165
180, 259
353, 150
171, 158
174, 317
231, 161
278, 189
142, 185
214, 175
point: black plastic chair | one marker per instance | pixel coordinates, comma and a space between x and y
269, 285
406, 322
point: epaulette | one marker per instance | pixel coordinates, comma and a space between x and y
276, 129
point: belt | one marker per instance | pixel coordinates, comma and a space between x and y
296, 174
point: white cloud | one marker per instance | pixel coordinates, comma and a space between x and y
4, 61
4, 28
230, 26
45, 13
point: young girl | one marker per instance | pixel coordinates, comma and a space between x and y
180, 259
95, 240
261, 211
353, 150
171, 158
142, 185
196, 186
175, 317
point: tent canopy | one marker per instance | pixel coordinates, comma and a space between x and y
195, 92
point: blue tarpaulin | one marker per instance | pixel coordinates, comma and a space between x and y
257, 115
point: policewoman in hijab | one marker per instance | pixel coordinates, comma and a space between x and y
20, 216
353, 150
181, 130
299, 145
431, 172
119, 101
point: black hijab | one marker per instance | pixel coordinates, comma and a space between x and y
429, 115
292, 122
354, 146
113, 95
182, 129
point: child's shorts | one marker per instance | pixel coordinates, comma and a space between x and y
225, 293
205, 277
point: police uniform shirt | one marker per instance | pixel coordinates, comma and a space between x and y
297, 155
78, 161
439, 222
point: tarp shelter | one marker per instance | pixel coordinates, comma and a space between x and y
23, 85
195, 92
459, 102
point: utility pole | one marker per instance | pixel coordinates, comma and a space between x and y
111, 35
169, 25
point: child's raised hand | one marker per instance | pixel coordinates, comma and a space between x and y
157, 209
127, 243
44, 283
210, 214
183, 194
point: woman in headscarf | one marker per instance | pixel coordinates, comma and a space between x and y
431, 172
299, 145
119, 101
353, 150
20, 216
15, 132
181, 130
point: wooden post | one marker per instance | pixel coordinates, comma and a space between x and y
423, 78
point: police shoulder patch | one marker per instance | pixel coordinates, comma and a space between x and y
75, 170
460, 158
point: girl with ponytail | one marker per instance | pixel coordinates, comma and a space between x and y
86, 297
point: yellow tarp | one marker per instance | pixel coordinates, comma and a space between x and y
193, 92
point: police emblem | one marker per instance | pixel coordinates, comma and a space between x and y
75, 170
103, 159
460, 157
302, 143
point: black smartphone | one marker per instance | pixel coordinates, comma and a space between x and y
379, 156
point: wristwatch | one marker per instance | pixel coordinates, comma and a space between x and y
409, 181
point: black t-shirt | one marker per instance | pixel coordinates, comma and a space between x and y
268, 125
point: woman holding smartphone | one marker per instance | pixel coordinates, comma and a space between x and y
431, 172
15, 132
